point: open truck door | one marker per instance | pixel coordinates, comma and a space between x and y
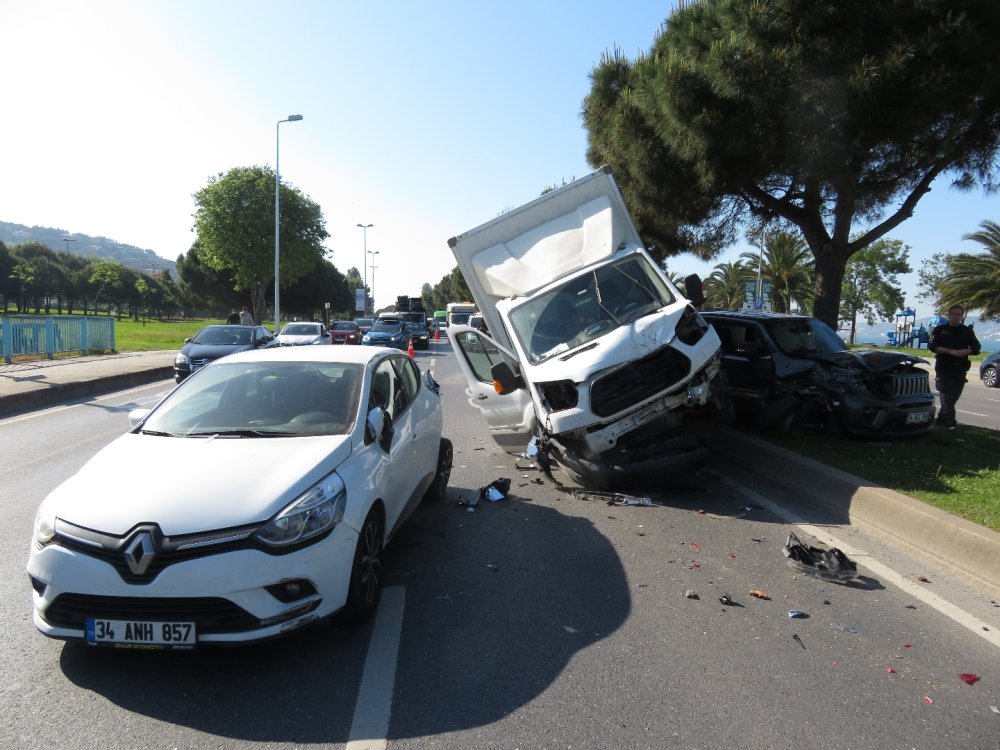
510, 415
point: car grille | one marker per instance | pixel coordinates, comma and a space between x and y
638, 381
211, 615
197, 364
911, 384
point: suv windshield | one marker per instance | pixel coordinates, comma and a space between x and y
589, 306
801, 337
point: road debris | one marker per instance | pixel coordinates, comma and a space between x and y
928, 700
796, 614
968, 678
923, 579
611, 498
691, 594
845, 628
890, 670
728, 601
495, 490
831, 564
757, 593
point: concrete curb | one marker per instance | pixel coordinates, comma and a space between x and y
968, 549
57, 392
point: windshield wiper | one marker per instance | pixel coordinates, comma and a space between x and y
238, 433
159, 433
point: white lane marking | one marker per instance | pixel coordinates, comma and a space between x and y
882, 570
371, 713
973, 413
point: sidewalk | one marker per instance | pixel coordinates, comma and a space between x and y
967, 549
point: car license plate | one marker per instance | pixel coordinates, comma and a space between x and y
918, 417
141, 634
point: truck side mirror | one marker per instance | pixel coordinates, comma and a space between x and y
694, 290
505, 380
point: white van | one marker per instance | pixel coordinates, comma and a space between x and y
591, 350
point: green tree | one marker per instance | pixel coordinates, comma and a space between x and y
105, 275
929, 277
973, 280
725, 287
234, 218
785, 262
871, 288
832, 116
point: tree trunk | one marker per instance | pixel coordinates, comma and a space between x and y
830, 266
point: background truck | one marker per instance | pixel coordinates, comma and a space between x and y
412, 309
459, 312
591, 351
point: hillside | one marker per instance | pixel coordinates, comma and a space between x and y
144, 261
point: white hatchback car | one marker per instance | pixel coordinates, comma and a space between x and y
304, 334
255, 499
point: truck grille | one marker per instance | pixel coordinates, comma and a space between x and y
911, 384
638, 381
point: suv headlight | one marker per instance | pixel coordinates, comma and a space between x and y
182, 360
313, 513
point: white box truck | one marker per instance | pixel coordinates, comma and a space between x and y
590, 350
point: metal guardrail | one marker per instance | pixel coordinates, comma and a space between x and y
49, 335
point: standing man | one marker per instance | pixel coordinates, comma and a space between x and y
246, 319
952, 343
234, 318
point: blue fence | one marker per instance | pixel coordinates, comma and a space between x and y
36, 335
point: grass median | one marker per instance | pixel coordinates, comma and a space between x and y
955, 470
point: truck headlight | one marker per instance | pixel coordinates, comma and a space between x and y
559, 394
313, 513
691, 327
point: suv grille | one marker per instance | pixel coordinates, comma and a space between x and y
911, 384
637, 381
211, 615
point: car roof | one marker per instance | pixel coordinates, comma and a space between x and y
226, 325
331, 354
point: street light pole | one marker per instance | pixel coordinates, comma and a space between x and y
277, 219
68, 240
364, 268
372, 253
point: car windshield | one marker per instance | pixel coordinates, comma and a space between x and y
301, 329
589, 306
364, 322
385, 326
223, 336
343, 326
415, 328
261, 399
802, 337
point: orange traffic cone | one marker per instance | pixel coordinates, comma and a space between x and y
409, 349
437, 333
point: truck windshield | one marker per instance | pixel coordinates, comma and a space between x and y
589, 306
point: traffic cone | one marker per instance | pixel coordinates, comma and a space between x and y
437, 333
409, 349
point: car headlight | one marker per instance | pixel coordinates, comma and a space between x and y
394, 338
45, 525
365, 340
182, 360
314, 512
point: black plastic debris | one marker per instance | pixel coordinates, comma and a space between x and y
611, 498
831, 564
495, 490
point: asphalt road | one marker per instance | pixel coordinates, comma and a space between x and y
539, 621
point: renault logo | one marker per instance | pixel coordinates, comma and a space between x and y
140, 552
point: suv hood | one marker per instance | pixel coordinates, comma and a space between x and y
216, 483
871, 360
554, 235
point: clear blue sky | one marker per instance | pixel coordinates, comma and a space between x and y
423, 119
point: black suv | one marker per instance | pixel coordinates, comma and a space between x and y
786, 369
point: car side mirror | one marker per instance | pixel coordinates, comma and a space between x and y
505, 380
136, 416
187, 341
378, 426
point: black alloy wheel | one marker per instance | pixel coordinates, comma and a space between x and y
366, 572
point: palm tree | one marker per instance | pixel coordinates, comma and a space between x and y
788, 265
725, 287
973, 281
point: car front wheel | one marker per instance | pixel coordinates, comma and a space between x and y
990, 377
366, 572
439, 487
